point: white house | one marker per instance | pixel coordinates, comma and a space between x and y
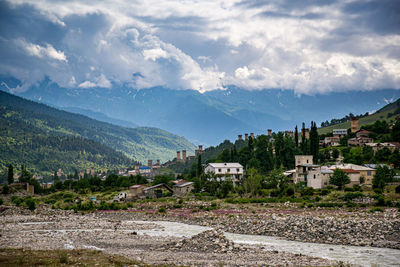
233, 171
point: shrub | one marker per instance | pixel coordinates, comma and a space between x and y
348, 189
6, 189
325, 192
378, 190
16, 200
31, 204
63, 258
350, 204
375, 210
380, 200
397, 189
177, 206
162, 210
180, 201
307, 191
310, 205
352, 195
397, 205
213, 204
388, 203
1, 201
289, 191
317, 198
356, 187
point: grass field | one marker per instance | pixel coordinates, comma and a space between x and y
23, 257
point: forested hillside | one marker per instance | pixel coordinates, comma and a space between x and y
32, 127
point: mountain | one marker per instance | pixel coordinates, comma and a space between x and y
212, 116
100, 116
388, 113
41, 121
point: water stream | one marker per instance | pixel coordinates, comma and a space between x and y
365, 256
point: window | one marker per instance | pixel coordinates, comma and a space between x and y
219, 170
228, 170
314, 176
307, 161
369, 173
237, 170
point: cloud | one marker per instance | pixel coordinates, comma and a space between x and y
41, 51
307, 46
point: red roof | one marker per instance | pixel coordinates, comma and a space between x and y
350, 171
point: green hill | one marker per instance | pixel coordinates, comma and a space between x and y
46, 138
387, 113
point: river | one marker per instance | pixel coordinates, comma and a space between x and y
364, 256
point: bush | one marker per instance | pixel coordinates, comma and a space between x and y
356, 187
307, 191
397, 205
6, 189
177, 206
317, 198
350, 204
378, 190
348, 189
380, 200
213, 204
329, 205
397, 189
352, 195
325, 192
31, 204
1, 201
162, 210
375, 210
16, 200
289, 191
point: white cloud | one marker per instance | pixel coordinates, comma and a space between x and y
41, 51
306, 47
154, 54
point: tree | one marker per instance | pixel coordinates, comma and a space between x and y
396, 131
382, 176
335, 153
314, 141
339, 178
296, 136
199, 170
10, 174
303, 140
252, 184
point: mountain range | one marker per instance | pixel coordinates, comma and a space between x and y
205, 118
45, 138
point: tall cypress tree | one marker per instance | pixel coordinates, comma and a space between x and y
314, 141
199, 171
10, 174
303, 140
296, 136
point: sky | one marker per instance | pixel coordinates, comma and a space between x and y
309, 46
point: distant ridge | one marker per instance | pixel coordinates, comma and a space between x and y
31, 120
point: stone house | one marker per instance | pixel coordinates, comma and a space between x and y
183, 188
233, 171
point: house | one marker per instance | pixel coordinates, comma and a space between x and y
365, 171
158, 190
378, 146
363, 133
313, 175
339, 133
233, 171
143, 170
332, 141
354, 177
136, 191
359, 141
183, 188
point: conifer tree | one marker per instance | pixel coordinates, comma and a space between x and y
296, 136
10, 174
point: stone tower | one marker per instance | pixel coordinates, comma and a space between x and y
183, 155
178, 155
269, 132
354, 124
240, 137
246, 136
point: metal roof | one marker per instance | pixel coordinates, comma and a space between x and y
226, 165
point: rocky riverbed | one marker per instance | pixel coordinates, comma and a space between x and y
118, 233
361, 228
